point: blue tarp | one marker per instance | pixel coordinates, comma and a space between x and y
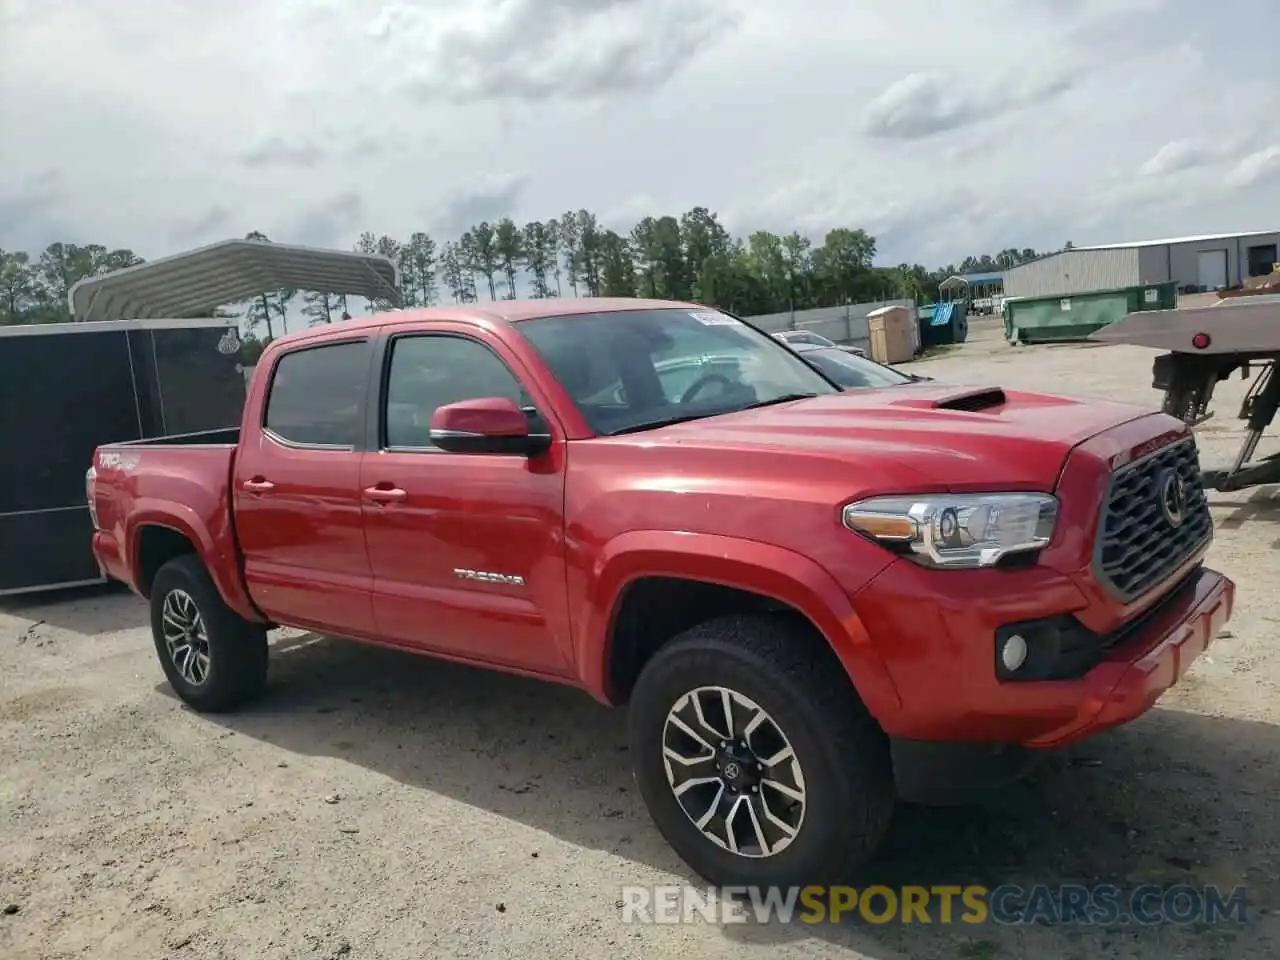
942, 314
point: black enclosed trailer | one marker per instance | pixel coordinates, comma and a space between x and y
66, 388
123, 371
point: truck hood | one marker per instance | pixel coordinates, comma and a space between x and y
950, 437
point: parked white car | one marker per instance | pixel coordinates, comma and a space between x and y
796, 337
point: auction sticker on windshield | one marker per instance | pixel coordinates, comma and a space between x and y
713, 319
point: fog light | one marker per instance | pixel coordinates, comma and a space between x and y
1014, 653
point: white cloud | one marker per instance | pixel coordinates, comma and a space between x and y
923, 104
944, 129
1175, 156
1257, 167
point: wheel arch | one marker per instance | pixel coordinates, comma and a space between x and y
154, 531
699, 576
154, 545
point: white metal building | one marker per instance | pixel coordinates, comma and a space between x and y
1194, 263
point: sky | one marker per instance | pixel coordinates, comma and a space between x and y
942, 128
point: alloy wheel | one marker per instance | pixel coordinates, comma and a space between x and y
734, 772
185, 636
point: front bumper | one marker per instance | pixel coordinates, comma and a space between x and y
937, 634
1133, 675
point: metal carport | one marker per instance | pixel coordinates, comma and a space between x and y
972, 286
193, 283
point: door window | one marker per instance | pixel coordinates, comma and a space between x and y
317, 395
432, 371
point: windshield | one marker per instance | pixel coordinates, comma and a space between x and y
854, 372
637, 369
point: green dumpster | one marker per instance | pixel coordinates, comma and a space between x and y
1007, 310
1063, 319
1154, 296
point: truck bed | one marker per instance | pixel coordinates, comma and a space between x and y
182, 483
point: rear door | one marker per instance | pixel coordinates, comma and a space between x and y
467, 550
297, 491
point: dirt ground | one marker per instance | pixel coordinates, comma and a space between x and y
376, 805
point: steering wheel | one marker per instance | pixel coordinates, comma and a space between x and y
696, 387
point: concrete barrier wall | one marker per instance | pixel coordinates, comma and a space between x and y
844, 324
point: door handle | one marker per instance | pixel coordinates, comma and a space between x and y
258, 486
385, 494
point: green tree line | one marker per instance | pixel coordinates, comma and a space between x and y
690, 257
34, 289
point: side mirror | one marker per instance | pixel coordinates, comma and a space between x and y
485, 425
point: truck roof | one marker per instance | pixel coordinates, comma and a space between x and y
510, 311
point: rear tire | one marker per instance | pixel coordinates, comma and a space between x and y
821, 817
214, 659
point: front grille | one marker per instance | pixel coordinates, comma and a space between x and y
1137, 545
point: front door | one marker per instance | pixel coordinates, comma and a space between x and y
297, 493
467, 550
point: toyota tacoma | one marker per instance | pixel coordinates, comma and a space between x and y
807, 598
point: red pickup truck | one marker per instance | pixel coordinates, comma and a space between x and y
811, 599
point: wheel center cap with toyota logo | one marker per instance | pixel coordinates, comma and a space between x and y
1172, 492
738, 767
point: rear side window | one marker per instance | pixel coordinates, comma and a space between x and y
317, 395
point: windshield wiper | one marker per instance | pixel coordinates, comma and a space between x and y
664, 422
785, 398
668, 421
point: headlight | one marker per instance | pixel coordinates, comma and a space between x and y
957, 530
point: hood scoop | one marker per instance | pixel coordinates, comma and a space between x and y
970, 401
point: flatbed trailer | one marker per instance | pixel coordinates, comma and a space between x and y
1205, 346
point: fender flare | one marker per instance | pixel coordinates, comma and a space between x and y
182, 519
776, 572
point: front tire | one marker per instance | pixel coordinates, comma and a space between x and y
755, 757
214, 659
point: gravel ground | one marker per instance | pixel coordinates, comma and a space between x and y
376, 805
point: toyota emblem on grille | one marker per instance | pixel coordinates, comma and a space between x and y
1173, 497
